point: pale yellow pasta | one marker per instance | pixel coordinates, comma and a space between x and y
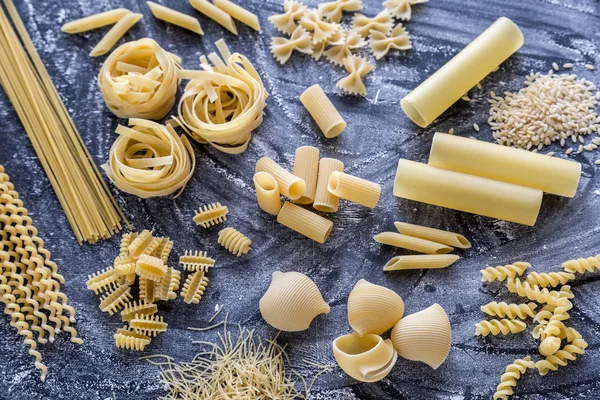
286, 22
175, 17
334, 40
282, 48
291, 302
343, 46
267, 192
290, 185
512, 311
355, 189
323, 111
148, 267
382, 22
306, 167
499, 326
239, 13
95, 21
368, 359
501, 272
473, 194
321, 30
509, 378
448, 84
435, 235
380, 44
412, 243
401, 9
234, 241
128, 338
325, 201
429, 261
373, 309
150, 325
489, 160
215, 13
357, 67
332, 11
305, 222
115, 33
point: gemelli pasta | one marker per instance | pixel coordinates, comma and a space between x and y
352, 188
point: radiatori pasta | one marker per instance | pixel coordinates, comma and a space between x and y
223, 103
352, 188
95, 21
267, 193
239, 13
290, 185
306, 167
305, 222
412, 243
323, 111
325, 201
139, 80
435, 235
428, 261
150, 159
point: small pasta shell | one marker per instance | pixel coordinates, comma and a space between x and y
424, 336
373, 309
291, 302
368, 358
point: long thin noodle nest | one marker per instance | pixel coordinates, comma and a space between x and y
150, 159
223, 103
139, 80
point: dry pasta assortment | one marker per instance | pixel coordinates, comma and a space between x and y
222, 104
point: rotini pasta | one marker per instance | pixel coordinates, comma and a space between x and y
357, 68
305, 222
211, 215
234, 241
343, 48
300, 41
552, 279
115, 300
355, 189
532, 292
286, 22
324, 113
511, 375
582, 265
312, 21
139, 308
148, 267
511, 311
497, 326
401, 9
194, 287
194, 261
332, 11
561, 358
126, 338
175, 17
500, 273
290, 185
380, 44
149, 325
363, 25
549, 346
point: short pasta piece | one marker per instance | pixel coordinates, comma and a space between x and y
511, 311
139, 308
429, 261
267, 192
194, 261
323, 111
306, 167
290, 185
149, 290
300, 41
343, 48
127, 338
169, 284
582, 265
211, 215
549, 345
532, 292
552, 279
234, 241
509, 378
95, 21
380, 44
497, 326
357, 67
401, 9
332, 11
561, 358
286, 22
321, 30
412, 243
325, 201
500, 273
336, 39
355, 189
163, 250
194, 287
382, 22
239, 13
150, 325
149, 267
114, 301
175, 17
216, 14
435, 235
142, 244
115, 33
305, 222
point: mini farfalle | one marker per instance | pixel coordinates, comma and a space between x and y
333, 10
283, 48
286, 22
344, 47
321, 30
363, 25
357, 67
401, 9
373, 309
380, 44
368, 359
334, 40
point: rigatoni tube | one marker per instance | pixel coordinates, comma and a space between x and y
325, 201
267, 193
290, 185
412, 243
352, 188
323, 111
305, 222
306, 166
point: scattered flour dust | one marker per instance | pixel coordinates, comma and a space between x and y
504, 227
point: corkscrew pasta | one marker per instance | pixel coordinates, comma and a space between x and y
512, 373
502, 272
551, 279
511, 311
582, 265
532, 292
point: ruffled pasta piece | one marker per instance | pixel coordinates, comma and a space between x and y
234, 241
286, 22
169, 284
127, 338
561, 358
321, 30
194, 287
336, 39
211, 215
163, 250
149, 290
149, 267
344, 47
363, 25
380, 44
357, 67
149, 325
142, 244
97, 281
333, 10
497, 326
196, 261
490, 274
139, 308
401, 9
114, 301
139, 80
509, 378
512, 311
283, 48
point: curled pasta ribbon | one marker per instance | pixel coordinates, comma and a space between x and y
333, 10
382, 22
401, 9
343, 47
139, 80
283, 48
552, 279
532, 292
512, 311
286, 22
582, 265
380, 44
561, 358
211, 215
234, 241
511, 375
357, 67
502, 272
497, 326
221, 106
194, 287
150, 159
321, 30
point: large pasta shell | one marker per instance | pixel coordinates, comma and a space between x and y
366, 358
373, 308
292, 302
424, 336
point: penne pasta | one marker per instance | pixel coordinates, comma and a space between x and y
435, 235
323, 111
290, 185
95, 21
305, 222
412, 243
325, 201
215, 13
175, 17
267, 193
239, 13
352, 188
428, 261
306, 166
115, 33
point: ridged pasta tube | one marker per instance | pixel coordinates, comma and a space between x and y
290, 185
497, 326
552, 279
582, 265
267, 193
428, 261
412, 243
532, 292
512, 311
511, 375
150, 325
306, 166
234, 241
325, 201
500, 273
323, 111
355, 189
305, 222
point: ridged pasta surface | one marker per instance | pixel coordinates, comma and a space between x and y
150, 325
196, 261
149, 267
512, 373
511, 311
373, 309
194, 287
138, 308
114, 301
211, 215
499, 326
234, 241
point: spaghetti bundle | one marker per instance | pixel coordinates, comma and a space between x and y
224, 103
139, 80
85, 198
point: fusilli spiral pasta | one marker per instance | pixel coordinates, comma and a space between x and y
286, 22
497, 326
502, 272
561, 358
552, 279
532, 292
512, 311
511, 375
582, 265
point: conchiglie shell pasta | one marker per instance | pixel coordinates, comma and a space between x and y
373, 308
292, 302
367, 359
424, 336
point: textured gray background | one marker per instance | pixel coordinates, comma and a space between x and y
378, 134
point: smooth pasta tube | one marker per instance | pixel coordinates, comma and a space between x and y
95, 21
325, 201
239, 13
267, 193
448, 84
305, 222
323, 111
115, 33
352, 188
435, 235
175, 17
215, 13
430, 261
290, 185
507, 164
139, 80
412, 243
306, 166
473, 194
